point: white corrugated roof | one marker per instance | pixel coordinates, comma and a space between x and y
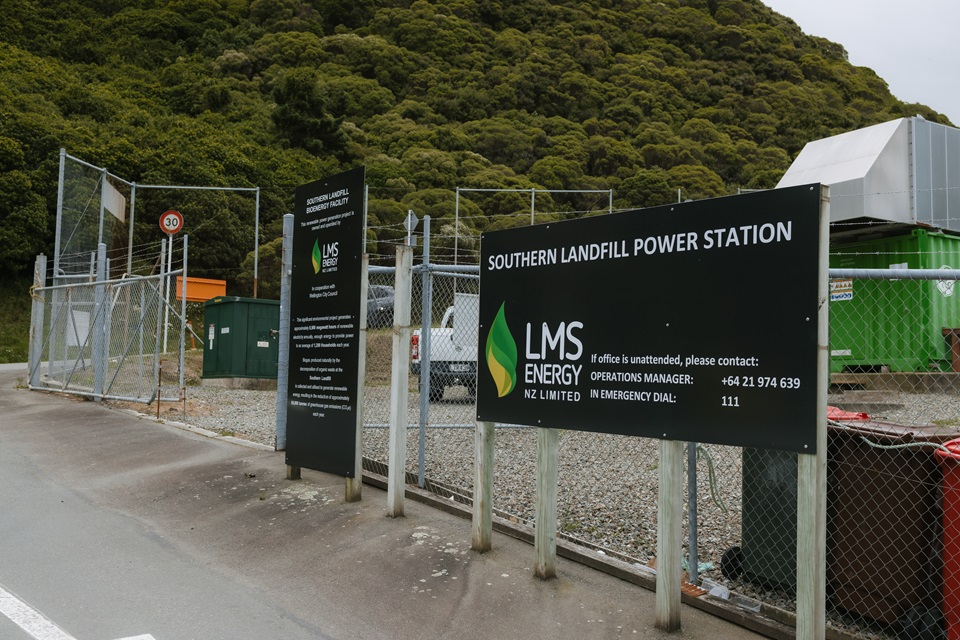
840, 158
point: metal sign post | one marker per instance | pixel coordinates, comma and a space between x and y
171, 222
324, 354
410, 223
691, 351
812, 468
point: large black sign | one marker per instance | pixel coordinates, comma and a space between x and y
325, 324
694, 322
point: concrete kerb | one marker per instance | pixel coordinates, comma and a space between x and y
195, 430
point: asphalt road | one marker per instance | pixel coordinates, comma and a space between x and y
117, 527
92, 566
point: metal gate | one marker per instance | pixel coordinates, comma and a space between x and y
107, 339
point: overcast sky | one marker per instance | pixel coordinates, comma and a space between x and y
912, 44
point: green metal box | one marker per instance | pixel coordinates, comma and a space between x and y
241, 337
894, 325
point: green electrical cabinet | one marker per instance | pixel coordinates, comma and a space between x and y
241, 338
894, 325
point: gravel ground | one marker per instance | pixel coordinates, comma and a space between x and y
608, 484
917, 409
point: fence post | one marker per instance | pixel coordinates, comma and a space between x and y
256, 244
669, 535
426, 308
133, 208
140, 334
107, 338
812, 469
482, 538
161, 283
166, 295
283, 346
353, 491
692, 512
59, 228
100, 312
399, 383
103, 191
37, 309
545, 534
183, 326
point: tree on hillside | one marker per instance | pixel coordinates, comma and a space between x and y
23, 213
301, 115
641, 97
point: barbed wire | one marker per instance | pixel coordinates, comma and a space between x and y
398, 225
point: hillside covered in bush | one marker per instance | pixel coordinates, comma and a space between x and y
643, 97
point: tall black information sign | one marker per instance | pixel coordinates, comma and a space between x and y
325, 324
693, 322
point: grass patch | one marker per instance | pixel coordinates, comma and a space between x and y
192, 366
14, 319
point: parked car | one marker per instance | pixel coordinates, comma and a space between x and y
453, 348
379, 306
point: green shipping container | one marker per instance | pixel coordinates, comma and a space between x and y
241, 338
895, 325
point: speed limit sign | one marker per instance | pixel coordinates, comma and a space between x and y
171, 222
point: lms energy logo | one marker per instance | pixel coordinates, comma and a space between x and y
316, 257
501, 354
326, 259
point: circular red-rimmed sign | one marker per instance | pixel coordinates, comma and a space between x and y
171, 222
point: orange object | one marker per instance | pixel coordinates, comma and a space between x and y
201, 289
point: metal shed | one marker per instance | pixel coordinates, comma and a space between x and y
894, 202
903, 171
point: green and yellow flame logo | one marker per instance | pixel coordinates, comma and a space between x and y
501, 354
316, 257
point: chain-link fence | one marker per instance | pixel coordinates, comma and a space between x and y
92, 210
893, 400
97, 207
448, 390
893, 502
893, 404
118, 339
108, 318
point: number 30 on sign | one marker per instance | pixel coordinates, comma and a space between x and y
171, 222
